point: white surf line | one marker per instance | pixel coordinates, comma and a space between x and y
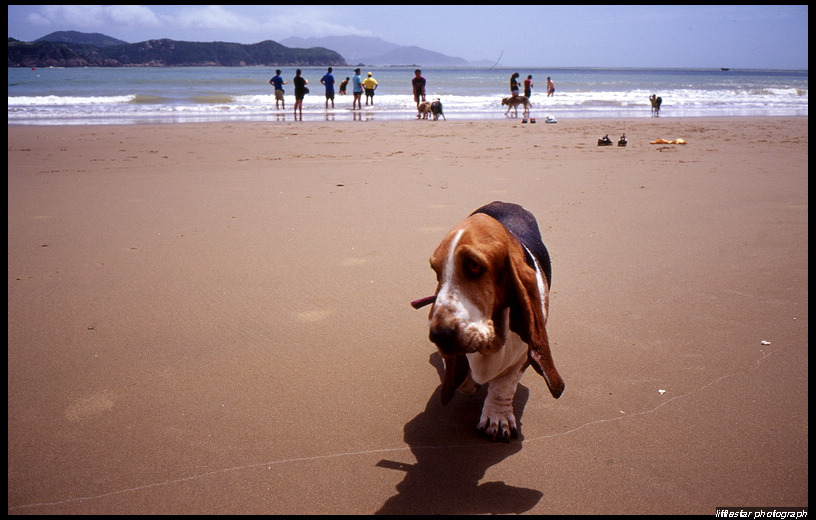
382, 450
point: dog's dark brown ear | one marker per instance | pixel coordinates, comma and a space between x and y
456, 371
527, 318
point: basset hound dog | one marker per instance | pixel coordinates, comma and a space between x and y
489, 313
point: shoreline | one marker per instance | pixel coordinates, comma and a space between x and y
340, 115
214, 318
224, 94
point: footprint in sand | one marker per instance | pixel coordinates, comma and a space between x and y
352, 261
89, 406
314, 315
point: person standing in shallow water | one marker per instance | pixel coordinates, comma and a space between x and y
300, 92
357, 90
418, 85
370, 85
328, 81
514, 84
528, 86
278, 82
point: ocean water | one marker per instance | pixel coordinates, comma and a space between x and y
134, 95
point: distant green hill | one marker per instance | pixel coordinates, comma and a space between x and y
75, 49
100, 40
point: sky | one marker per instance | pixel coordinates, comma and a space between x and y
692, 36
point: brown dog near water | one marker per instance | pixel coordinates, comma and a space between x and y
514, 102
424, 110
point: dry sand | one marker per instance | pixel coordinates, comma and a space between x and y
214, 318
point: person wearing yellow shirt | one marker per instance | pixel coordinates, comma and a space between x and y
370, 85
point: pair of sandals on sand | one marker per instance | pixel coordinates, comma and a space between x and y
548, 119
606, 141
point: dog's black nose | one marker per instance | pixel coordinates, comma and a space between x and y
444, 338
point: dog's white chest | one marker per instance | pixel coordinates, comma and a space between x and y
486, 367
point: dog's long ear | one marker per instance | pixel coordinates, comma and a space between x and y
456, 370
527, 317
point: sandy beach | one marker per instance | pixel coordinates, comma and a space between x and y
214, 318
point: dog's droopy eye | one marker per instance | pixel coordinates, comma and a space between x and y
472, 268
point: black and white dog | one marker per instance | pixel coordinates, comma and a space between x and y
436, 110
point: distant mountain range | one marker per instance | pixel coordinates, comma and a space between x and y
365, 50
74, 49
78, 49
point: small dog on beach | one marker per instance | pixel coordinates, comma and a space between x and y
424, 110
436, 110
514, 102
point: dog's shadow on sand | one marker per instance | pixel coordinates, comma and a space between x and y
452, 459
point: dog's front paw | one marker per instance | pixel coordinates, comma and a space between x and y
498, 426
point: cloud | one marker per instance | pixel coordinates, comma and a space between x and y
245, 24
303, 21
93, 17
210, 17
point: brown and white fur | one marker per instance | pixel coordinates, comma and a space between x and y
514, 102
424, 110
489, 312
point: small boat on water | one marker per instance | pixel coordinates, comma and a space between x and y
724, 68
